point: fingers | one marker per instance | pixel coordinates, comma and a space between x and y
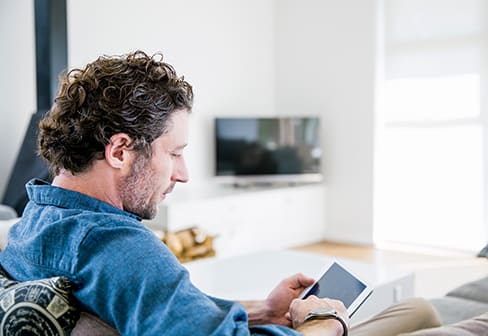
299, 280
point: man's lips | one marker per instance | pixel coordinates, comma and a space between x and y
170, 189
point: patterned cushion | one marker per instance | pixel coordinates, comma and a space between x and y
40, 307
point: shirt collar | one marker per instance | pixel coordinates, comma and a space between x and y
43, 193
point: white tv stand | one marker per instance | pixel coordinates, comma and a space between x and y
248, 219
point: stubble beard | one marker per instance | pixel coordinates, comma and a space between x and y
136, 190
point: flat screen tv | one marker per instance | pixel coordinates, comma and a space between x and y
267, 149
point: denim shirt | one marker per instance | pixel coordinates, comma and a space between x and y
122, 271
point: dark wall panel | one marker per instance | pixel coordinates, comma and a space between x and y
51, 60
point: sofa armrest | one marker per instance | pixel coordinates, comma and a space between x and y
5, 225
89, 324
7, 212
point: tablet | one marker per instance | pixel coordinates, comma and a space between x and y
340, 284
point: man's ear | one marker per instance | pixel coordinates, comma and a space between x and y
117, 151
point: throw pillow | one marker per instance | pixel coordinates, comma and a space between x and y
41, 307
475, 290
483, 252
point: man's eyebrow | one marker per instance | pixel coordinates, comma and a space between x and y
181, 146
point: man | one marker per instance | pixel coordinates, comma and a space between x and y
114, 140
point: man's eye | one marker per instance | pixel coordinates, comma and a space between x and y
175, 155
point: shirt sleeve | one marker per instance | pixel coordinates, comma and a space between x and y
130, 279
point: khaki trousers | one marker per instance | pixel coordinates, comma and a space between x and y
407, 316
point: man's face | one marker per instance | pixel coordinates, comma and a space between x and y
152, 179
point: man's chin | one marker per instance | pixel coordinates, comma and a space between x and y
151, 215
148, 213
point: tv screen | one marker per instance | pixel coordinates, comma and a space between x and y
268, 149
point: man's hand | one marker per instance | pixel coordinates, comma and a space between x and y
300, 308
275, 309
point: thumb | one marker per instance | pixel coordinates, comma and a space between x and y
302, 281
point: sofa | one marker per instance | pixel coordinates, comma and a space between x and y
465, 302
463, 310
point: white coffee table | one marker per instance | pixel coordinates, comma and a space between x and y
253, 276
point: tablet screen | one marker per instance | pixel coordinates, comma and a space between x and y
337, 283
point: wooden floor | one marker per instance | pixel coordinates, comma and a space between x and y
375, 254
358, 252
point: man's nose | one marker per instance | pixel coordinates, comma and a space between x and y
180, 173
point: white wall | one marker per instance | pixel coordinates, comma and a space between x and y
326, 65
243, 57
224, 48
17, 80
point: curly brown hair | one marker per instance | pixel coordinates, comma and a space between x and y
134, 94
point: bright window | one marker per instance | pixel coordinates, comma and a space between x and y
430, 178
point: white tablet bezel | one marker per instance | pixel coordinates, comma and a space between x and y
356, 303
